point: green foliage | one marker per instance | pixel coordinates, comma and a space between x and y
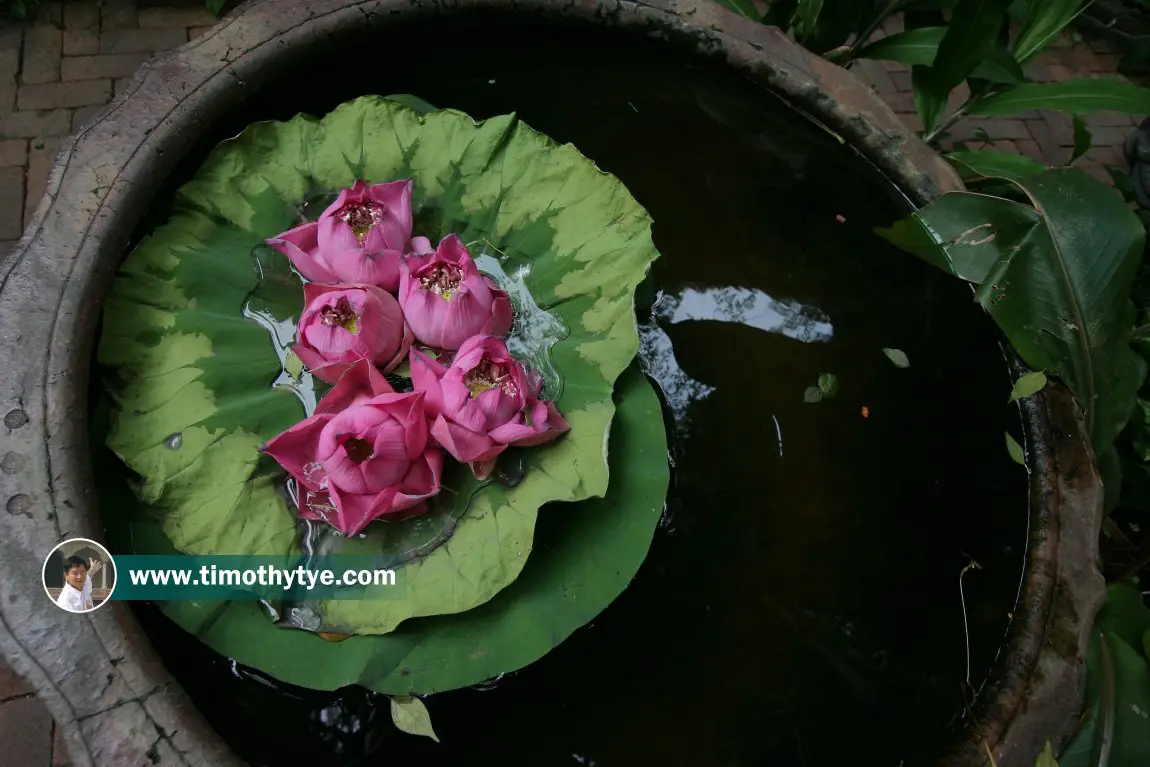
1055, 273
1116, 727
988, 164
972, 47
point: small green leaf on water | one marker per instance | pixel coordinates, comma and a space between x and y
1031, 383
828, 384
1015, 450
813, 394
1046, 758
898, 357
410, 715
293, 365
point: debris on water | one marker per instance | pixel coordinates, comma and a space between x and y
488, 685
828, 384
898, 357
173, 441
511, 470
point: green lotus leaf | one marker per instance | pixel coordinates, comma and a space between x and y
590, 552
199, 320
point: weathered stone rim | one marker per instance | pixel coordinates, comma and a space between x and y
111, 697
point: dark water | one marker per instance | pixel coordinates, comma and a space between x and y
800, 605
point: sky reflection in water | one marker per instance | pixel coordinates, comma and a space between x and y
743, 306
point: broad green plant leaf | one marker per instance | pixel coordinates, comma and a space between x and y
410, 715
1116, 728
1044, 23
930, 97
970, 38
808, 12
1055, 275
198, 320
585, 555
988, 163
919, 47
1079, 97
999, 68
1082, 139
912, 47
1135, 55
1028, 385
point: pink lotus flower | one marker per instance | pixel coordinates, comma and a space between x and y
343, 323
445, 298
360, 238
301, 246
363, 455
365, 232
484, 402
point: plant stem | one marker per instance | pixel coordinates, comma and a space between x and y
891, 8
959, 113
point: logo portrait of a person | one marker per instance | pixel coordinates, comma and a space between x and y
76, 595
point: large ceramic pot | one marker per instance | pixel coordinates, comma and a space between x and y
114, 701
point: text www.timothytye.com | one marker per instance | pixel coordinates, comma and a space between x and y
264, 575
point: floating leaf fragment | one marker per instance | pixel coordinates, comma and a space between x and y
1026, 385
1015, 450
410, 715
1046, 758
293, 365
812, 394
898, 357
828, 384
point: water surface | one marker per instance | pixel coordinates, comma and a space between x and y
800, 605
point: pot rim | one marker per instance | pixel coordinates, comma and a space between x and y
112, 698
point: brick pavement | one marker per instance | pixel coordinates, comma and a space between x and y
1044, 135
58, 73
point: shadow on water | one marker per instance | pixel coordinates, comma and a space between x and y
800, 604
